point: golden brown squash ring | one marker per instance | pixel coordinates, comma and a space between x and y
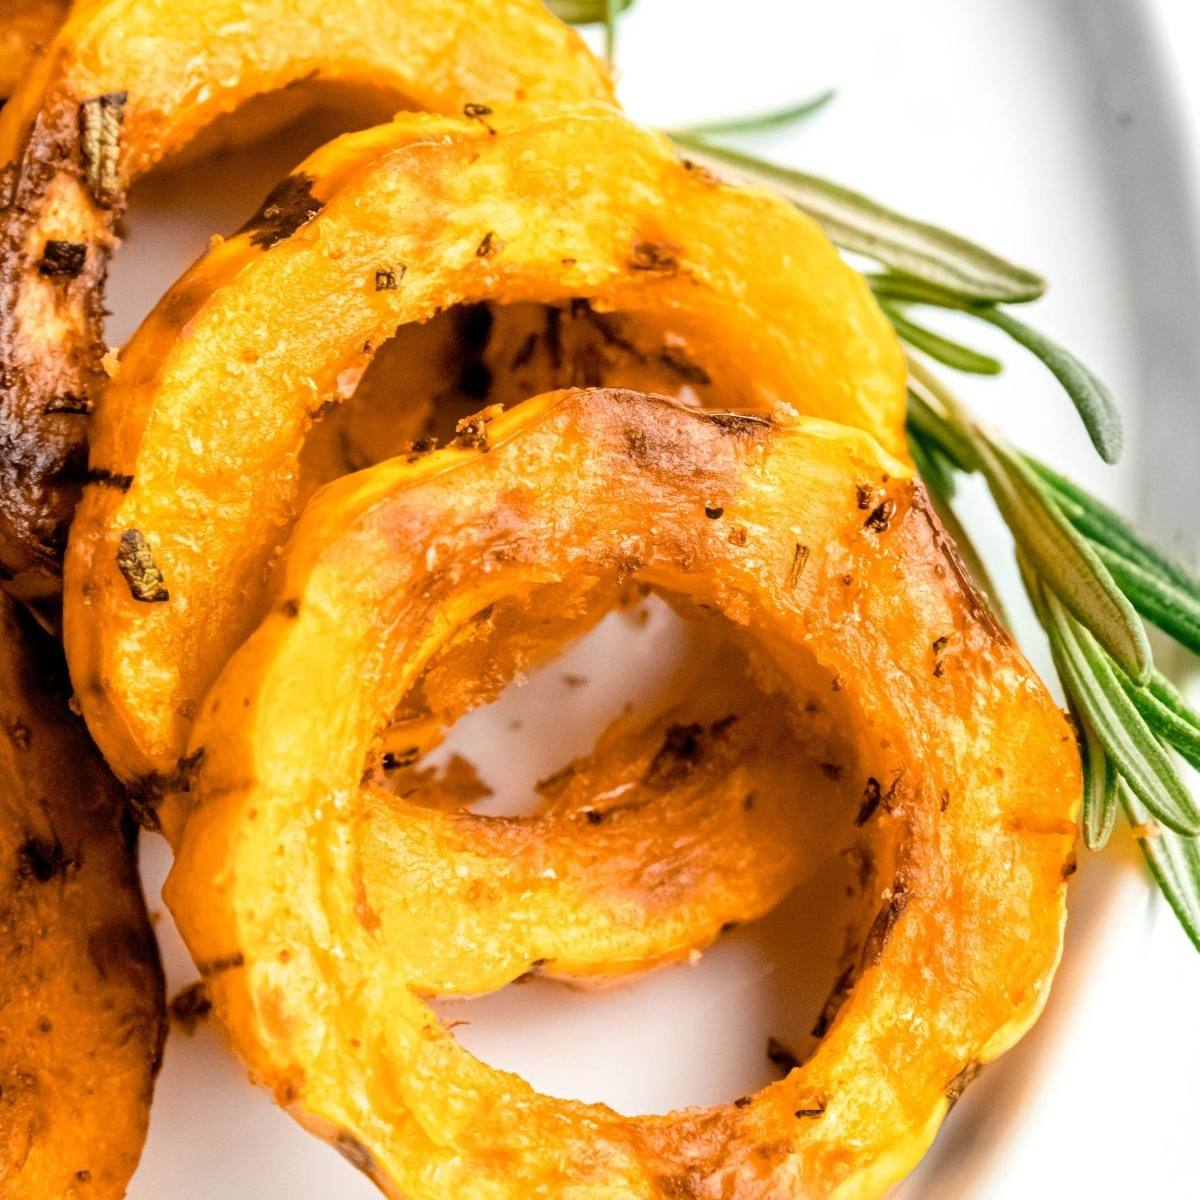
81, 993
127, 83
27, 25
834, 575
195, 442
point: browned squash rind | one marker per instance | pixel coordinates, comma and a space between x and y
128, 82
830, 566
197, 439
81, 992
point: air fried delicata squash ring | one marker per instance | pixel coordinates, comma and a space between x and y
127, 83
311, 899
81, 993
196, 441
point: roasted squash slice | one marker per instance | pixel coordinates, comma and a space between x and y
320, 908
127, 83
194, 472
81, 992
26, 25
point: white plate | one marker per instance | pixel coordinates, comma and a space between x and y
1051, 131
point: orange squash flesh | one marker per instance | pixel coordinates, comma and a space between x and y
319, 907
81, 993
26, 26
196, 441
126, 83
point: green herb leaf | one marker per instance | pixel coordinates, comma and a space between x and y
1093, 401
585, 12
862, 226
1099, 790
1181, 732
1136, 753
951, 353
1107, 527
757, 122
929, 422
1159, 600
1173, 861
1063, 559
1165, 692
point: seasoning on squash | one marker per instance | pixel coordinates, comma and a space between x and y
136, 562
100, 121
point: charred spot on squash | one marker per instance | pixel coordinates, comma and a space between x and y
100, 121
659, 257
738, 424
675, 360
681, 752
289, 207
393, 761
977, 606
834, 1001
781, 1056
958, 1085
42, 860
146, 793
218, 966
471, 432
190, 1006
387, 279
68, 402
880, 518
62, 260
797, 565
679, 1187
135, 560
872, 796
490, 244
354, 1152
480, 113
103, 477
885, 921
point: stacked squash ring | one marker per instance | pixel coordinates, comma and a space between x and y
249, 627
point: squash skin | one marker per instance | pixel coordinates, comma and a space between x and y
81, 993
978, 803
161, 72
586, 205
27, 25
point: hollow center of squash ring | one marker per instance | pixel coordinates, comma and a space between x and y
660, 788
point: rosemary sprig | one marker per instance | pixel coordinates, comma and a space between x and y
758, 122
862, 226
1132, 722
1092, 399
593, 12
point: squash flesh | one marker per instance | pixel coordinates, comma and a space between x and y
587, 206
976, 772
81, 993
146, 77
28, 25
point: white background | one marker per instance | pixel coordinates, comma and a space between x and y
1044, 128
